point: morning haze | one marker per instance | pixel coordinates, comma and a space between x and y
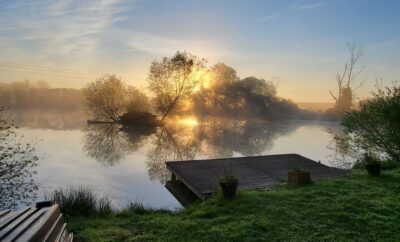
199, 120
300, 44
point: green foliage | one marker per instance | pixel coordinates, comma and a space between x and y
353, 208
369, 159
374, 127
81, 201
17, 162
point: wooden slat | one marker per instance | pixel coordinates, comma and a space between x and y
34, 224
12, 226
10, 217
255, 172
24, 226
40, 228
62, 233
55, 229
4, 212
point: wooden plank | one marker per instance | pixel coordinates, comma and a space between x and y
13, 225
24, 226
34, 224
55, 229
180, 191
10, 217
4, 212
195, 191
38, 230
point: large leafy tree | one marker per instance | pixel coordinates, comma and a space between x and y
108, 97
105, 98
173, 80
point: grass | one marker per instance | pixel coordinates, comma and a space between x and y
82, 201
353, 208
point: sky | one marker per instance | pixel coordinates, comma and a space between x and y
299, 44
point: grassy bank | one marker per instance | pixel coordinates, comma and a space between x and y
353, 208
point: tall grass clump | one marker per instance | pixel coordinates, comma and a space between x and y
81, 201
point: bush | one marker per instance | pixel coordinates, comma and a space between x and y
374, 127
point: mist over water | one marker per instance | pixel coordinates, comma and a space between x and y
129, 164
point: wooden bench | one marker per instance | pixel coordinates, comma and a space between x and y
45, 222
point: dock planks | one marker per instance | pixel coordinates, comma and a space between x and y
254, 172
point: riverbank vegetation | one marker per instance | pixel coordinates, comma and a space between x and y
374, 127
356, 207
183, 85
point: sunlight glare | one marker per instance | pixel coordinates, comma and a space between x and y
188, 121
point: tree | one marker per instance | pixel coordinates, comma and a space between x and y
105, 98
17, 161
137, 100
213, 99
346, 81
374, 127
172, 80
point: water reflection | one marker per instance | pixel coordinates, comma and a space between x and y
48, 120
17, 163
108, 144
209, 138
78, 154
172, 142
17, 185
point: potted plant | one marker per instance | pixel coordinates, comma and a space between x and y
298, 176
228, 183
372, 164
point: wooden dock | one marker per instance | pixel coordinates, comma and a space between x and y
34, 224
254, 172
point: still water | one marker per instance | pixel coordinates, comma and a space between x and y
129, 164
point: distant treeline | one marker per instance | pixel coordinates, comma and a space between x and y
39, 95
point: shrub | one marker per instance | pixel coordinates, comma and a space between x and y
374, 127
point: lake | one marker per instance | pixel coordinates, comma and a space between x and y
128, 164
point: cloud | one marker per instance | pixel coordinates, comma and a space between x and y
294, 7
310, 6
164, 46
58, 27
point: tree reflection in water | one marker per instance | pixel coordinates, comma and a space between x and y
207, 138
210, 138
17, 184
172, 142
17, 167
109, 143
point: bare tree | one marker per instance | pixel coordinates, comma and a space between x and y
346, 81
172, 80
105, 98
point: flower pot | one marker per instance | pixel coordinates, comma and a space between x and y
374, 169
299, 177
229, 188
